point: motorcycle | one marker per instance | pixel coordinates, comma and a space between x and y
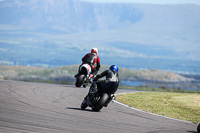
96, 101
83, 77
198, 128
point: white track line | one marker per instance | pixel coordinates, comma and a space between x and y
146, 111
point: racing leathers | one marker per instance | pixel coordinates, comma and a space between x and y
109, 85
93, 60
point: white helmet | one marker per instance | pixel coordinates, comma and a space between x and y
94, 50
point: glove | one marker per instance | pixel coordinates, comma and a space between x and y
96, 78
91, 75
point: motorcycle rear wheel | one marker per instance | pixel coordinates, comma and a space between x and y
79, 80
102, 101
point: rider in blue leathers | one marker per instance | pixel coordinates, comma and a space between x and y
109, 85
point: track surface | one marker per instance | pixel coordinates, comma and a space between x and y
47, 108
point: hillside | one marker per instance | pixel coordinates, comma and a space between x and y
65, 74
51, 33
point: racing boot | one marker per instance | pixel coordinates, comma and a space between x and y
75, 76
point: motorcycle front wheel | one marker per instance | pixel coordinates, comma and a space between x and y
84, 104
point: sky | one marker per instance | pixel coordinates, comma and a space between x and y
162, 2
197, 2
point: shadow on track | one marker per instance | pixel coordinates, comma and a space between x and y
192, 132
79, 109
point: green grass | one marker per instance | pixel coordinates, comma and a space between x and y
184, 106
162, 89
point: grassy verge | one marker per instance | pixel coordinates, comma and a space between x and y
184, 106
160, 89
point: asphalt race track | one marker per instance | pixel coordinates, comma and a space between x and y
48, 108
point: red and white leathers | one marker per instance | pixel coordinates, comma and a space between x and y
93, 60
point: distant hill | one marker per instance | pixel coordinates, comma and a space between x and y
65, 74
56, 33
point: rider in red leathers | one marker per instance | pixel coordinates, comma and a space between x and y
93, 60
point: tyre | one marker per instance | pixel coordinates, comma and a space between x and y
79, 80
102, 101
84, 104
198, 128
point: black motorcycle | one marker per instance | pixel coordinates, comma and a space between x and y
198, 128
83, 77
97, 100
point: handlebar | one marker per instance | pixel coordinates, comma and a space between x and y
98, 80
